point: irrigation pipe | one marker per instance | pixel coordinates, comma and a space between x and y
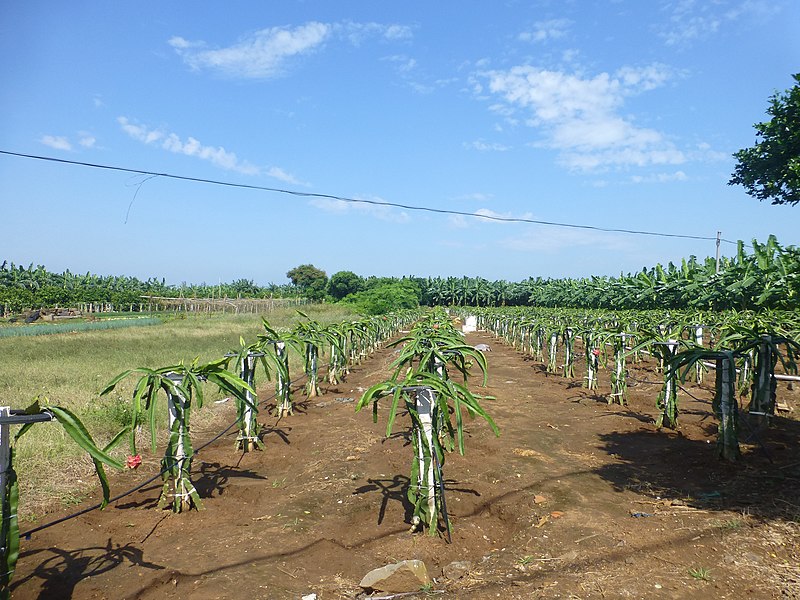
777, 376
27, 535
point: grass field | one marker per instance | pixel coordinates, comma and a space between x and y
70, 369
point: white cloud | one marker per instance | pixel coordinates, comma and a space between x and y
139, 132
191, 147
265, 53
397, 32
356, 33
87, 140
341, 207
407, 69
403, 63
484, 215
485, 146
579, 115
457, 221
280, 174
475, 197
646, 78
57, 142
259, 56
660, 177
492, 215
705, 153
543, 31
549, 240
690, 20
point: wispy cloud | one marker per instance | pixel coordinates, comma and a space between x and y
660, 177
489, 216
486, 146
383, 213
266, 53
549, 240
281, 175
579, 116
57, 142
403, 63
87, 140
218, 155
543, 31
357, 33
475, 197
690, 21
408, 70
191, 147
62, 142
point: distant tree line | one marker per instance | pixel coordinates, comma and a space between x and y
35, 287
765, 277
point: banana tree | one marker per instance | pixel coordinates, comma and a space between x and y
181, 384
9, 485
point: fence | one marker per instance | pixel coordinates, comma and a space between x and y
223, 305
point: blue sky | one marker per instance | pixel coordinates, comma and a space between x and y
616, 114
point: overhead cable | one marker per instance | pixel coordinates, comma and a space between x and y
363, 201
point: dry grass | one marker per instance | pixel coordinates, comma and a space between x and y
71, 370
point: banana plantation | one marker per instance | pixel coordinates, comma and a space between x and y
766, 276
34, 287
757, 276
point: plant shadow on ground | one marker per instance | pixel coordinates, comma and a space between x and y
396, 489
62, 571
208, 479
280, 432
586, 394
765, 482
213, 477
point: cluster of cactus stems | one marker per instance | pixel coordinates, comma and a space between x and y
678, 340
429, 355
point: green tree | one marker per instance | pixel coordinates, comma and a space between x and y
385, 298
310, 280
770, 170
343, 283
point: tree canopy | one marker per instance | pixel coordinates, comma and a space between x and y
385, 297
770, 170
343, 283
311, 280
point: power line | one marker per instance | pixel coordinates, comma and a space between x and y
441, 211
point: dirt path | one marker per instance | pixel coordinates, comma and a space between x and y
575, 499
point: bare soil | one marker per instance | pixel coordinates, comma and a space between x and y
576, 499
